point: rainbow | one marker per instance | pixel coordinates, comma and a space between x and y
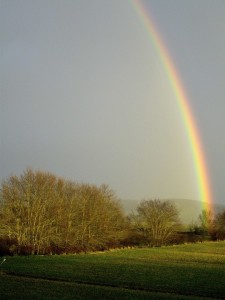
182, 101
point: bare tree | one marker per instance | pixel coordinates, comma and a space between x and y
100, 218
157, 220
28, 205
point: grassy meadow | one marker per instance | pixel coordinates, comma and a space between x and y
191, 271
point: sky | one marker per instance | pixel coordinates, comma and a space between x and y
84, 94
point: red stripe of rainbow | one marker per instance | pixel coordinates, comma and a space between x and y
192, 132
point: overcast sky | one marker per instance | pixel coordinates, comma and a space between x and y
84, 94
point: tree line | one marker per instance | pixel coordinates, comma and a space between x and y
41, 213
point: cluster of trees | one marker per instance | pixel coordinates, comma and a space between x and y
41, 213
210, 226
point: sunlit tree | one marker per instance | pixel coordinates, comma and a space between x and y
47, 214
29, 204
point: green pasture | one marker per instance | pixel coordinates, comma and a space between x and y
192, 271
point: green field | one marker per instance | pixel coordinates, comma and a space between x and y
192, 271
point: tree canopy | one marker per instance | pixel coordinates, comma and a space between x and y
157, 220
45, 213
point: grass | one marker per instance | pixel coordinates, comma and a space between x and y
192, 271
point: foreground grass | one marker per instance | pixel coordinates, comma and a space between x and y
180, 272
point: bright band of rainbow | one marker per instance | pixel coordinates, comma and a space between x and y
192, 132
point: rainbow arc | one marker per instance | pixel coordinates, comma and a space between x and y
182, 101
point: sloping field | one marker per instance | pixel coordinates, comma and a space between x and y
192, 271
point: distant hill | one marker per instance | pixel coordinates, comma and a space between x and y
189, 210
